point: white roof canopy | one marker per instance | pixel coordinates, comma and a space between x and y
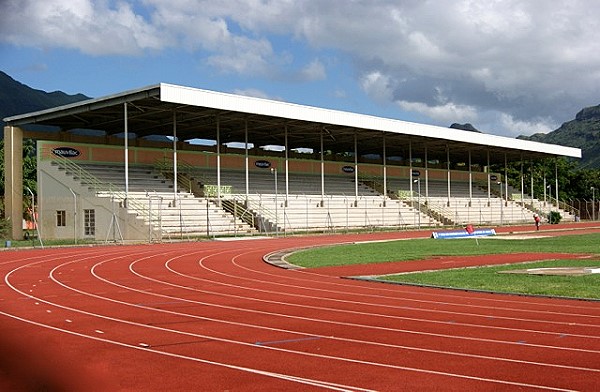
151, 111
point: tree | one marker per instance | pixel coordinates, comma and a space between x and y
29, 172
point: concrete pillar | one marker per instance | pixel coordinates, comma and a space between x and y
13, 180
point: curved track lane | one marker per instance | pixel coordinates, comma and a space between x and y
214, 316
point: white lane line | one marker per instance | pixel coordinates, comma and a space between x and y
145, 326
286, 377
372, 314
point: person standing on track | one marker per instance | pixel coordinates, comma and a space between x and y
537, 220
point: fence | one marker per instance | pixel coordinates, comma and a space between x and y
588, 209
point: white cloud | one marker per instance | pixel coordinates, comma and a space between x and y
452, 61
315, 70
96, 28
378, 86
446, 113
518, 127
243, 56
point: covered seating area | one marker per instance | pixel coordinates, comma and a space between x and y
269, 166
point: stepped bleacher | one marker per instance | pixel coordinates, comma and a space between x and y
152, 198
299, 204
302, 206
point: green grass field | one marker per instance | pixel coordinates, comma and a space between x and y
482, 278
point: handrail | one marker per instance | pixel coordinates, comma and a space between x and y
99, 186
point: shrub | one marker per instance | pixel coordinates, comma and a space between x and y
554, 217
4, 228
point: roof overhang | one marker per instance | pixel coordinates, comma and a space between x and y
155, 109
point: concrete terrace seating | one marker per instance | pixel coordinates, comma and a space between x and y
493, 211
312, 213
185, 214
141, 178
263, 182
544, 207
437, 188
151, 199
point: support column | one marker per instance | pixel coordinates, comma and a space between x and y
287, 167
426, 176
322, 171
556, 182
489, 178
175, 157
246, 161
531, 174
13, 180
505, 180
410, 171
218, 161
355, 169
470, 180
126, 145
522, 181
385, 191
448, 168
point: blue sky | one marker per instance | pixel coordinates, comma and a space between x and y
507, 67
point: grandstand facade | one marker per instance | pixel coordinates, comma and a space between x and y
233, 165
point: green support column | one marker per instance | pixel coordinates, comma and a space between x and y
13, 180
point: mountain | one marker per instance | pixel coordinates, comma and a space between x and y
582, 132
465, 127
17, 98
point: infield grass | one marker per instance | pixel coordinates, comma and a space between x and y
488, 279
480, 278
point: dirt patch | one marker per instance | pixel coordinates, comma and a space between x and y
556, 271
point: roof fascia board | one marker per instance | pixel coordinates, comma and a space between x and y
83, 106
251, 105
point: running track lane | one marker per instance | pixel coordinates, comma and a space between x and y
214, 316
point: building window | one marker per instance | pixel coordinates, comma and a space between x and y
61, 218
89, 222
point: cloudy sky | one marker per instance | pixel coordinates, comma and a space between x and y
507, 67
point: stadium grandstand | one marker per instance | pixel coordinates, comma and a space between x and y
170, 162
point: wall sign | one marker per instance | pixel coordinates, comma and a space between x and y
66, 152
416, 173
262, 164
348, 169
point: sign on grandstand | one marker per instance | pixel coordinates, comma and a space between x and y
66, 152
211, 190
262, 164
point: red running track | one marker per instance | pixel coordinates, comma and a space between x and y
214, 316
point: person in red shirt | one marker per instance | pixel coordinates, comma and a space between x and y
537, 220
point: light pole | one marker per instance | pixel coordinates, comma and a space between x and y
418, 182
593, 203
